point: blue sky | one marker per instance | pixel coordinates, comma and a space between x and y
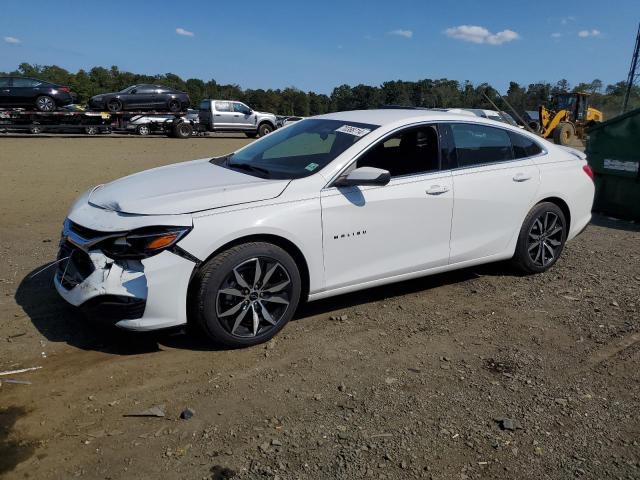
317, 45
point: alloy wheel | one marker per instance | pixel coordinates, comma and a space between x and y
545, 239
254, 297
45, 104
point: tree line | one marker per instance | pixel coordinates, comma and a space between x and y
437, 93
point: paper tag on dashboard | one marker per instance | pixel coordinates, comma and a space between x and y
356, 131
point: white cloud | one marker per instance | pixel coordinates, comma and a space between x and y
13, 40
401, 33
589, 33
182, 31
477, 34
556, 35
566, 20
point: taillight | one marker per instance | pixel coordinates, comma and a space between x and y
64, 89
588, 171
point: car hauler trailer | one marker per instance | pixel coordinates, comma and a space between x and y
90, 123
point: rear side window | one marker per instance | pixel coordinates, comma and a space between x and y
4, 82
223, 106
479, 144
523, 146
205, 105
25, 82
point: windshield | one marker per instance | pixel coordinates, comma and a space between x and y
299, 150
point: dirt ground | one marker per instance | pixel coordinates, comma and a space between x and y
474, 374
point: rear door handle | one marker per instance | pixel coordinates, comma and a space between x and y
437, 190
521, 177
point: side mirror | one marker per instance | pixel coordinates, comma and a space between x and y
134, 91
364, 176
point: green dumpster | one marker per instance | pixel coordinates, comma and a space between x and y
613, 152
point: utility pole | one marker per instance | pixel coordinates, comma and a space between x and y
633, 75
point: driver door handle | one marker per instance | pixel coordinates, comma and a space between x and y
437, 190
521, 177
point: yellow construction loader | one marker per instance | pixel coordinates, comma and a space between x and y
566, 119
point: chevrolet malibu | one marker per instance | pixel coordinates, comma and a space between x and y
328, 205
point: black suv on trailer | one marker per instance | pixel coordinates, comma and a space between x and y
30, 92
142, 97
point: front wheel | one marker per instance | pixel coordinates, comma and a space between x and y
251, 134
564, 134
264, 129
247, 294
114, 105
541, 238
143, 130
174, 105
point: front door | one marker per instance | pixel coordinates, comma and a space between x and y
371, 232
243, 117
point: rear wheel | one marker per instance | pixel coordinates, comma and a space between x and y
35, 129
44, 103
114, 105
564, 133
90, 130
182, 130
247, 294
541, 238
264, 129
143, 130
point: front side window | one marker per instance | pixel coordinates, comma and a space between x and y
523, 146
479, 144
241, 108
409, 152
145, 89
4, 81
297, 151
223, 106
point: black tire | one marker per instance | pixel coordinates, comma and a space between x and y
44, 103
91, 130
143, 130
265, 129
251, 134
217, 276
35, 129
174, 105
541, 239
564, 134
182, 130
114, 105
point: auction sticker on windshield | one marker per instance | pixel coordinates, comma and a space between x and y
358, 132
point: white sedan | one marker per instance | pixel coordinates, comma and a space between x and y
329, 205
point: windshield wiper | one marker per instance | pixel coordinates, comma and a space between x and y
250, 168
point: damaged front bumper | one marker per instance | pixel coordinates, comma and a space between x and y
145, 294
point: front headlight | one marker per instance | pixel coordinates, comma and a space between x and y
143, 242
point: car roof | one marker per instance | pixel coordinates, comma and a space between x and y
396, 115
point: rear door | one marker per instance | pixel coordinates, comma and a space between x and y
493, 191
223, 116
23, 91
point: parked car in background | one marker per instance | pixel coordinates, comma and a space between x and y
142, 97
147, 124
329, 205
31, 92
234, 116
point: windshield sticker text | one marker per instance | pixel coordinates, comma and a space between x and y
358, 132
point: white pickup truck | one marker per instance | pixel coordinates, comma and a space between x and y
232, 116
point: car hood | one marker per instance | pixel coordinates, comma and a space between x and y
183, 188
